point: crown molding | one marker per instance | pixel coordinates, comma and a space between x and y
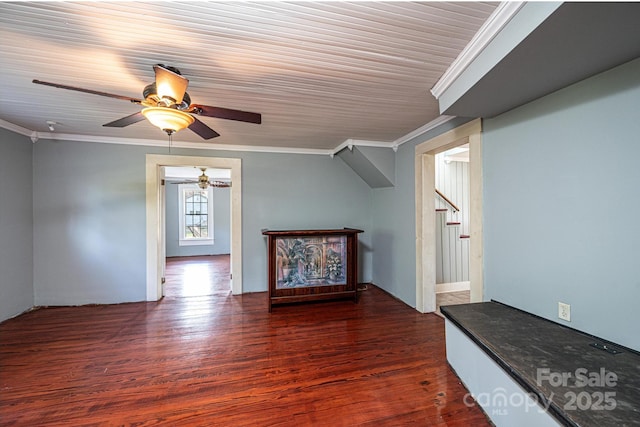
54, 136
180, 144
20, 130
252, 148
15, 128
366, 143
494, 24
421, 130
349, 143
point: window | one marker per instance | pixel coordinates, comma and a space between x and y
196, 215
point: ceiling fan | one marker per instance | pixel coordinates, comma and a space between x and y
204, 181
168, 105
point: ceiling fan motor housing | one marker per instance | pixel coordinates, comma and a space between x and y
151, 98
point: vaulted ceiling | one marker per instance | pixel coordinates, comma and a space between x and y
319, 73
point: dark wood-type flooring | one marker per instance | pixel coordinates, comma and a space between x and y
223, 360
452, 298
197, 276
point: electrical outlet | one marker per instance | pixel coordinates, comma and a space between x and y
564, 311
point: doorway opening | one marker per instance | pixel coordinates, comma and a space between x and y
156, 232
426, 212
452, 226
197, 231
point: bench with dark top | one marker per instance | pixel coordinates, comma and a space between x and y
522, 344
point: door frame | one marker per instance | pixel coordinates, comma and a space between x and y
155, 211
425, 152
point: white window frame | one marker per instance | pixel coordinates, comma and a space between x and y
194, 241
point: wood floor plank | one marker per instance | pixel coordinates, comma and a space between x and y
224, 360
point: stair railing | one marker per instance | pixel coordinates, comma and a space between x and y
449, 202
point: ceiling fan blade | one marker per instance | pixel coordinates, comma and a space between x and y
215, 184
170, 84
126, 121
203, 130
92, 92
226, 113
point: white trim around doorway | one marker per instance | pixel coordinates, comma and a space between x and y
154, 212
470, 132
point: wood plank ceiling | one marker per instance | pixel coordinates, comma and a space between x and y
318, 72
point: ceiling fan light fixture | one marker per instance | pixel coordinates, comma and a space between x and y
169, 120
203, 180
168, 105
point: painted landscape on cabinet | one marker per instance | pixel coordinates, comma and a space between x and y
310, 261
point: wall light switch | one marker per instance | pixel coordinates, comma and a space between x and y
564, 311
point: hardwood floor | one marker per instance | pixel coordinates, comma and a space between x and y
197, 276
223, 360
452, 298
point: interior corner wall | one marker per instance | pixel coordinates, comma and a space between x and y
394, 222
221, 224
90, 215
297, 191
89, 223
561, 198
16, 224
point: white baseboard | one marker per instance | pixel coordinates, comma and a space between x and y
453, 287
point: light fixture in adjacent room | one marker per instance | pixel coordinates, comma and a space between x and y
203, 180
169, 120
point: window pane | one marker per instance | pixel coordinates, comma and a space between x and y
195, 217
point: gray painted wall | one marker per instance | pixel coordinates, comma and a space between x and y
16, 224
561, 183
89, 215
375, 165
89, 223
300, 192
394, 225
221, 224
383, 159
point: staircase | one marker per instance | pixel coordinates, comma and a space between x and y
452, 222
452, 249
